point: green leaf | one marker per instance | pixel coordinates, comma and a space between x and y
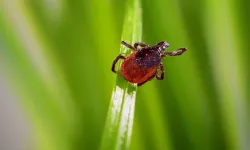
119, 123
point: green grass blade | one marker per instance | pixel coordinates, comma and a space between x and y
35, 78
229, 71
118, 128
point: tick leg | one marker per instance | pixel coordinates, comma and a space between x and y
115, 61
140, 44
162, 73
178, 52
128, 46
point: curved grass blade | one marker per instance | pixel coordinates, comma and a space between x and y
118, 128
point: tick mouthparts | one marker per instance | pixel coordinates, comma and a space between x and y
165, 45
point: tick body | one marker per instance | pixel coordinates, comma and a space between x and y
145, 62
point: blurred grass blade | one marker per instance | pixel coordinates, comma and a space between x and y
118, 128
228, 72
35, 77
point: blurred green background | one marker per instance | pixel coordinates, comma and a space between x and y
56, 56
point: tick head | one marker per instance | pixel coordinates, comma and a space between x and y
163, 45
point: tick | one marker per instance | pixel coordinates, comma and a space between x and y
142, 65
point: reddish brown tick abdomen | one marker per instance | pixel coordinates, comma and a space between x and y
134, 73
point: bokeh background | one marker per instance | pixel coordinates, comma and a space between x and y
56, 82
